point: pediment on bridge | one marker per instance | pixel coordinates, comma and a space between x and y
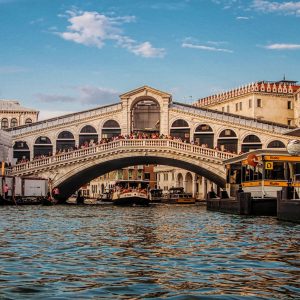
144, 91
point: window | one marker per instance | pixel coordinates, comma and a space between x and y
241, 105
14, 122
250, 103
223, 109
165, 176
28, 121
130, 174
289, 104
236, 107
258, 103
4, 123
289, 122
228, 108
147, 176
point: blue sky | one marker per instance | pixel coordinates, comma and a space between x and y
64, 56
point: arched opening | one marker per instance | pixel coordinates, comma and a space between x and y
110, 129
21, 151
145, 116
204, 136
4, 123
65, 141
92, 170
42, 146
276, 144
180, 129
251, 142
228, 141
13, 122
88, 135
189, 182
179, 180
28, 121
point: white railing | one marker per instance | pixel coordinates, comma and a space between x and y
124, 144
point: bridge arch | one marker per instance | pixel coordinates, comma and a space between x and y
42, 146
275, 144
72, 180
228, 140
204, 135
180, 128
87, 133
110, 128
251, 142
65, 139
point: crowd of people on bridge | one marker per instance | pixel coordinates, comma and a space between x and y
132, 136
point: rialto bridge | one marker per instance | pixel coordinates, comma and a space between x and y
142, 110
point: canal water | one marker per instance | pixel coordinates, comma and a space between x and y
157, 252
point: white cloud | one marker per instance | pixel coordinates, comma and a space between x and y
206, 48
283, 47
286, 8
242, 18
94, 29
85, 95
146, 50
97, 95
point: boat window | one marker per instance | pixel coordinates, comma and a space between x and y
250, 173
277, 173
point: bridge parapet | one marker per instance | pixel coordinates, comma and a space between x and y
125, 145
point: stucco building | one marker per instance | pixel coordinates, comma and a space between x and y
12, 114
273, 101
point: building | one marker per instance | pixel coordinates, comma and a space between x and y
168, 177
275, 102
12, 114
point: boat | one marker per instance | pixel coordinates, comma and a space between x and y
106, 196
131, 192
178, 196
156, 195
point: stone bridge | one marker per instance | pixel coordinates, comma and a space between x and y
70, 170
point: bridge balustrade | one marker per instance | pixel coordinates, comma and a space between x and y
147, 144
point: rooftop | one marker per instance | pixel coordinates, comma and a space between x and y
13, 105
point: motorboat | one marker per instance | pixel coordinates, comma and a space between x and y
156, 195
178, 196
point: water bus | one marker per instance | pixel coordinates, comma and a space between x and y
131, 192
263, 173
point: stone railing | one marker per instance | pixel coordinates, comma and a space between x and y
152, 145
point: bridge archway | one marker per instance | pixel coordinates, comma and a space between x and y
65, 140
180, 129
145, 115
42, 146
110, 128
204, 135
75, 178
21, 151
87, 134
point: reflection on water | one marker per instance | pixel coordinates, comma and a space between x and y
164, 251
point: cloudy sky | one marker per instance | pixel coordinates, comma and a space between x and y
64, 56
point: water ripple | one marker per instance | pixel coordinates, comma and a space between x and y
165, 251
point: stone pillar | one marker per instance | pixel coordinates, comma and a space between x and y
164, 116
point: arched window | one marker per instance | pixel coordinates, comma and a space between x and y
28, 121
4, 123
42, 146
13, 122
180, 129
276, 144
88, 135
110, 129
145, 116
65, 141
228, 141
204, 136
21, 151
251, 142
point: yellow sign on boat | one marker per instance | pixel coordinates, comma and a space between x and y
269, 165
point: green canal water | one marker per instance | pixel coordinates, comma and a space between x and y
157, 252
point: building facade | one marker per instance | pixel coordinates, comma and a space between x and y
12, 114
264, 100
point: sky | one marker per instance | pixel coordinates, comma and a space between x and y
65, 56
